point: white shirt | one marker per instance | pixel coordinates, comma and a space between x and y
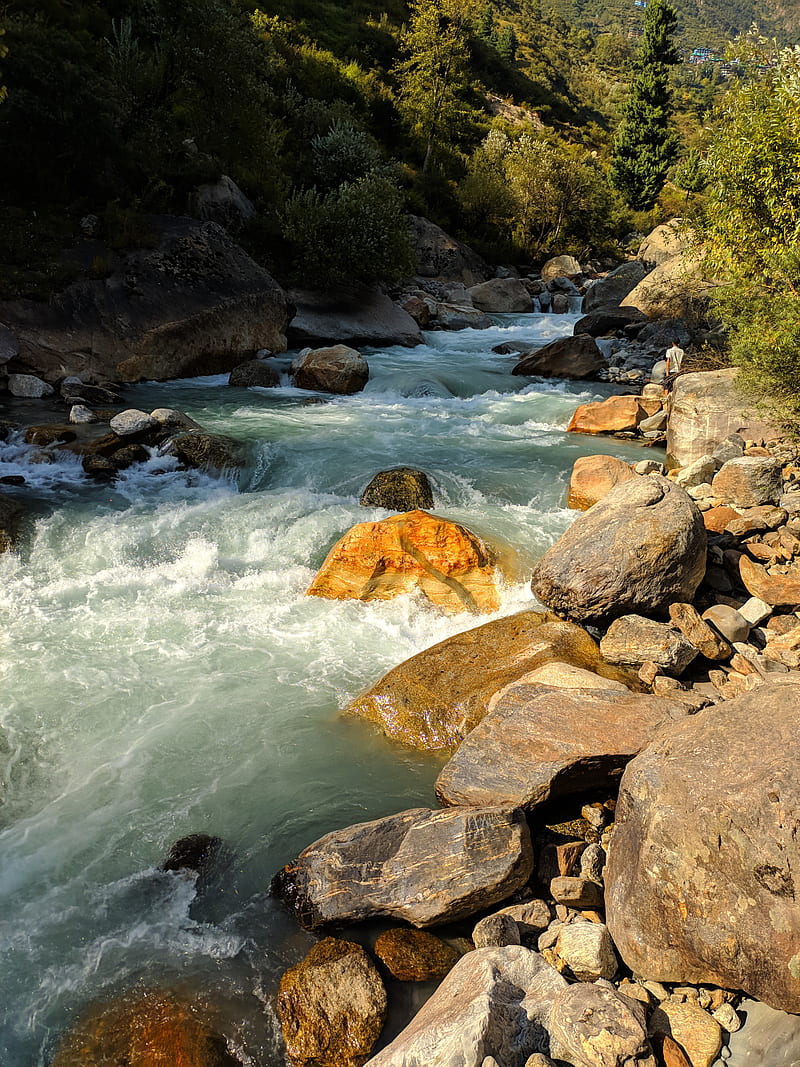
674, 359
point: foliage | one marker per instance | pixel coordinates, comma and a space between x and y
356, 232
752, 227
645, 144
344, 154
690, 174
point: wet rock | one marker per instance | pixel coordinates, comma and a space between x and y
170, 420
536, 744
415, 955
595, 1026
613, 289
207, 450
399, 489
568, 357
639, 549
495, 1001
450, 565
99, 467
425, 867
49, 435
586, 950
28, 386
593, 477
11, 516
156, 1029
255, 372
338, 369
200, 853
688, 898
693, 1029
617, 414
500, 295
133, 423
633, 640
434, 699
609, 319
777, 590
127, 456
749, 481
73, 390
332, 1006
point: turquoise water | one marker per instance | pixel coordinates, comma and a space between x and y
163, 673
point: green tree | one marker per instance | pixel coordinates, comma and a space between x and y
645, 144
751, 230
690, 174
432, 75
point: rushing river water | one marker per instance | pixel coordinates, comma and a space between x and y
163, 673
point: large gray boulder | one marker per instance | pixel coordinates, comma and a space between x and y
664, 243
676, 288
636, 551
613, 289
425, 867
769, 1038
195, 304
538, 743
500, 295
356, 316
701, 874
706, 409
568, 357
495, 1002
440, 256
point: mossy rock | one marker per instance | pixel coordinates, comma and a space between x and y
399, 489
415, 955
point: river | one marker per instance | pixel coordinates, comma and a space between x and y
163, 672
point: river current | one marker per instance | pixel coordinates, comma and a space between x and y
163, 673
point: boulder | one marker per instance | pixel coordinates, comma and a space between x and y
448, 563
635, 552
170, 420
254, 372
712, 899
495, 1002
434, 699
777, 590
613, 289
495, 931
81, 415
595, 1026
705, 411
460, 317
398, 489
568, 357
356, 316
133, 423
339, 369
12, 513
664, 242
415, 955
440, 256
224, 202
632, 640
586, 950
195, 304
605, 320
195, 448
500, 295
331, 1006
617, 414
593, 477
749, 481
561, 267
536, 744
200, 853
28, 386
769, 1038
154, 1029
424, 867
674, 289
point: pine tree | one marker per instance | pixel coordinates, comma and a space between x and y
645, 144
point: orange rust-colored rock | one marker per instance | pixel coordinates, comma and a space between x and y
594, 476
453, 567
716, 519
156, 1029
617, 414
415, 955
778, 590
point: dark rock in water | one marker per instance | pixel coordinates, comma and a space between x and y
339, 369
12, 479
701, 879
11, 515
608, 319
48, 435
508, 348
74, 391
130, 454
195, 852
332, 1006
195, 304
568, 357
639, 549
157, 1029
207, 450
255, 372
425, 867
415, 955
99, 467
399, 489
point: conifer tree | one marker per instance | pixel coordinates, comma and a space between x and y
646, 144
